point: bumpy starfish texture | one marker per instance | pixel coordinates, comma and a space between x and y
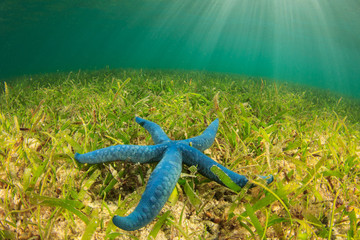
170, 154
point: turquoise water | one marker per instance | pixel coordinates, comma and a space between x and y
314, 42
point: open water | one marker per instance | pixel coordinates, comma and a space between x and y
313, 42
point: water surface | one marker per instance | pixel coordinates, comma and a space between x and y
314, 42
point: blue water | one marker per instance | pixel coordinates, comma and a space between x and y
314, 42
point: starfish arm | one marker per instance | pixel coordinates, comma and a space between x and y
193, 156
131, 153
157, 134
206, 139
161, 184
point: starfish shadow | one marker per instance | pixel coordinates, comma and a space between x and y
170, 154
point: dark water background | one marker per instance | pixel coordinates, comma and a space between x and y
315, 42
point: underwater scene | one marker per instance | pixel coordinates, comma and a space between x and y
180, 119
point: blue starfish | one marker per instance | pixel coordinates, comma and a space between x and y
170, 155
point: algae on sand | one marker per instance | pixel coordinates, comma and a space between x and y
310, 136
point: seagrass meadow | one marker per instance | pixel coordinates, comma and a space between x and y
307, 138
